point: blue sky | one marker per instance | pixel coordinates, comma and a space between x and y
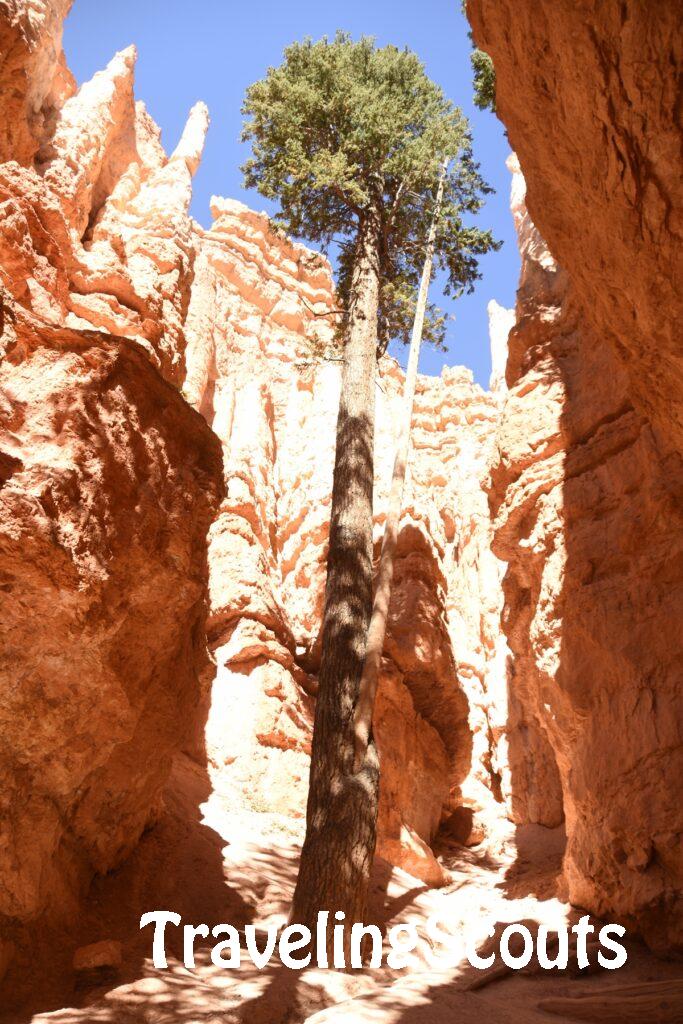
213, 49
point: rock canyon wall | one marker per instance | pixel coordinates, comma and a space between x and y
109, 480
168, 405
590, 97
587, 493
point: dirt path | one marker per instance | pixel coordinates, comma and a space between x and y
212, 865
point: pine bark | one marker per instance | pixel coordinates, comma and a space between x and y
385, 573
341, 816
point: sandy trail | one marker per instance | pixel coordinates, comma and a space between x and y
214, 863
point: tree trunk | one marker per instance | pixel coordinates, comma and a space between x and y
341, 816
385, 573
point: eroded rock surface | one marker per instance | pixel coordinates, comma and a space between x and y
586, 497
108, 478
126, 328
590, 98
588, 489
35, 80
108, 485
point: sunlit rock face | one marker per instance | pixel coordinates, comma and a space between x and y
95, 229
108, 484
587, 490
108, 478
263, 367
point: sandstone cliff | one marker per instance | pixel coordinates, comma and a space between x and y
588, 487
590, 97
167, 424
108, 478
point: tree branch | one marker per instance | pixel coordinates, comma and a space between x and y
331, 312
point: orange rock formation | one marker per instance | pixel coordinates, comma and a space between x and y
588, 490
167, 416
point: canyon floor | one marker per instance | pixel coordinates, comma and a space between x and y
212, 865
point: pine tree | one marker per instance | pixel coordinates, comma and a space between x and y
349, 139
483, 73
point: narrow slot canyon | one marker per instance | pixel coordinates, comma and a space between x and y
168, 407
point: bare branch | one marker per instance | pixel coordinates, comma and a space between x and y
331, 312
323, 359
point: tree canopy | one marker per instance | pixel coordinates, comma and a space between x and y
341, 126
